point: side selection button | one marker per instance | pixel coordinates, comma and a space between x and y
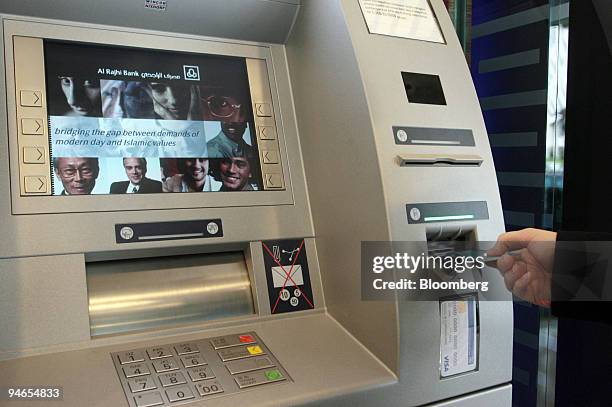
30, 98
267, 132
270, 156
33, 126
35, 185
273, 181
34, 155
263, 109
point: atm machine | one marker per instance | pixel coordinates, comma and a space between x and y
186, 186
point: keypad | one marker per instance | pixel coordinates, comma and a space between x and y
181, 373
179, 393
142, 384
200, 373
186, 348
171, 379
165, 365
193, 360
135, 370
209, 387
130, 357
149, 400
160, 352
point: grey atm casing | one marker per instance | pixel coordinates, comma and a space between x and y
337, 93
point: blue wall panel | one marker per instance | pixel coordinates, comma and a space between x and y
487, 10
525, 84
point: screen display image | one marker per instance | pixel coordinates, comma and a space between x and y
124, 120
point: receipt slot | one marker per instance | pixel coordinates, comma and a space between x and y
186, 198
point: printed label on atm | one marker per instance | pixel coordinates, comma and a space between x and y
413, 19
287, 275
280, 279
458, 336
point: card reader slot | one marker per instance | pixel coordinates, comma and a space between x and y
412, 160
137, 294
450, 234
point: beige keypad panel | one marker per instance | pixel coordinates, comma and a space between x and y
31, 117
186, 372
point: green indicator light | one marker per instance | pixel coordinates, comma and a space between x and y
450, 217
273, 375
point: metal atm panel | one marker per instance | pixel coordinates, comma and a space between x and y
80, 295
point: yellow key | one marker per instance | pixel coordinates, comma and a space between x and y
254, 350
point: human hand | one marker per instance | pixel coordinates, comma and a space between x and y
527, 270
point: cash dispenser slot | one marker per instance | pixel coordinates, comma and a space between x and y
464, 160
152, 293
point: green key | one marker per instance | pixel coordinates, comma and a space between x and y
273, 374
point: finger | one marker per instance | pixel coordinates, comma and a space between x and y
510, 241
539, 287
510, 278
535, 266
505, 263
522, 287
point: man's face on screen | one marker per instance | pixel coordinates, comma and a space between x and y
170, 102
135, 169
224, 104
196, 168
234, 130
78, 174
235, 172
82, 95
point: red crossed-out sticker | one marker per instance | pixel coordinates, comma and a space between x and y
287, 275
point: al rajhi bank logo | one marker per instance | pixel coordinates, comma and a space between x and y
191, 72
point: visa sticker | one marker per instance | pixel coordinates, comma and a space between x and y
458, 336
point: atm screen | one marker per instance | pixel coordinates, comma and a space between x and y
126, 120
